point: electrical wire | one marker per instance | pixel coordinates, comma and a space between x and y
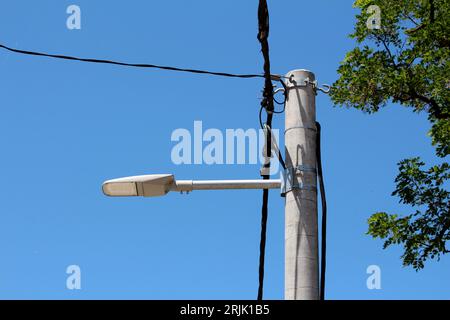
285, 89
260, 117
323, 199
277, 149
266, 103
281, 160
274, 111
263, 127
279, 103
139, 65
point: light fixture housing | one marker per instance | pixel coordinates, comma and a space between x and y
152, 185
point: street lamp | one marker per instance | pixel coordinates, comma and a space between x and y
154, 185
297, 185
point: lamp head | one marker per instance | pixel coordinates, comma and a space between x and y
152, 185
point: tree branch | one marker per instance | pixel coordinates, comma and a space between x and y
432, 11
388, 50
435, 109
423, 24
407, 16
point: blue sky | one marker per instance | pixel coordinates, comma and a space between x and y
65, 127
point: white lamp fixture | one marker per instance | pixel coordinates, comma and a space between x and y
154, 185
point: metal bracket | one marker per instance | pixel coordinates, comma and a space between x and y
326, 88
289, 183
300, 83
305, 168
307, 127
305, 82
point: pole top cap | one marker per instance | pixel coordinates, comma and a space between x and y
301, 74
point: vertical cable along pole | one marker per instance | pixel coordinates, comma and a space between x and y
323, 200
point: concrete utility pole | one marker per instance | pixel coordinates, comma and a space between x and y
301, 235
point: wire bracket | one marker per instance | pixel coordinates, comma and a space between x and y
307, 127
294, 84
289, 181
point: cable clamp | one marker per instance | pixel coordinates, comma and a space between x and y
305, 168
307, 127
289, 181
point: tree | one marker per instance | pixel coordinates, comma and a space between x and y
402, 56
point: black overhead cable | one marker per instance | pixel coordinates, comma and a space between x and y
323, 200
266, 103
139, 65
